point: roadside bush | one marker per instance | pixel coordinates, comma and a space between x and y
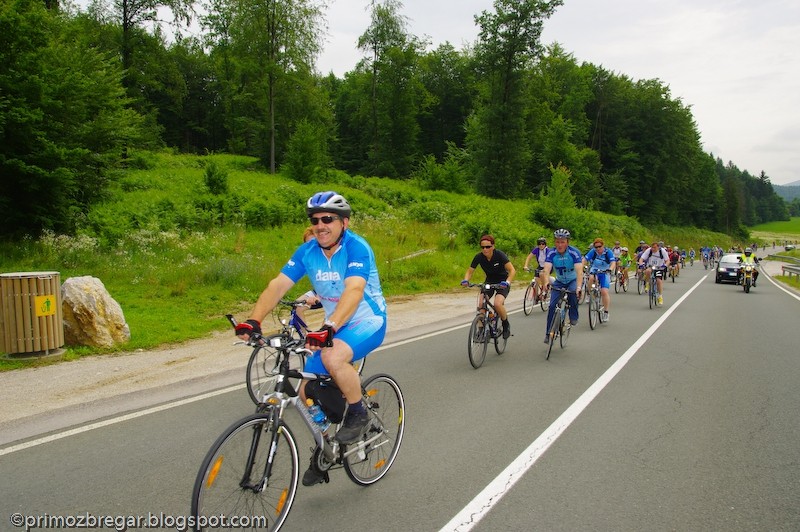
216, 178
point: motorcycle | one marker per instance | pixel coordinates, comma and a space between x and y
746, 277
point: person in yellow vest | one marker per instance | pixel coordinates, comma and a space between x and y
748, 257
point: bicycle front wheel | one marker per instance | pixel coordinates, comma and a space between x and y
262, 371
528, 301
478, 341
617, 283
372, 457
566, 328
235, 478
554, 328
594, 310
625, 283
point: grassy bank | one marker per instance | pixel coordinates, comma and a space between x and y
177, 257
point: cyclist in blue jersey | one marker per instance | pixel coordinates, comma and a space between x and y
600, 259
566, 263
342, 269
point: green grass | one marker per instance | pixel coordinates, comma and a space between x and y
778, 232
177, 258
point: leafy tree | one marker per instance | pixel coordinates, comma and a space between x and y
508, 44
449, 82
274, 43
307, 153
63, 120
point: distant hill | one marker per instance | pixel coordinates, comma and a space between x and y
788, 192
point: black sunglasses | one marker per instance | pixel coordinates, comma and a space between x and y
485, 247
598, 247
323, 219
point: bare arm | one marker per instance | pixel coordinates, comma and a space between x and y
468, 273
512, 272
270, 297
349, 300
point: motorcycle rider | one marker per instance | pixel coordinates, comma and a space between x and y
748, 257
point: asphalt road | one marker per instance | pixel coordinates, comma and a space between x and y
689, 424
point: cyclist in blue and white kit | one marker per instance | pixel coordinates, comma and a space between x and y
342, 270
566, 262
599, 259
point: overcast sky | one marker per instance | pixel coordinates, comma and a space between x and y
735, 62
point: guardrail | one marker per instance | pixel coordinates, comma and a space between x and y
785, 258
791, 270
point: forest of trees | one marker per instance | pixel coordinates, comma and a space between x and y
80, 88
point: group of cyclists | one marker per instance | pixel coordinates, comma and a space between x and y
564, 267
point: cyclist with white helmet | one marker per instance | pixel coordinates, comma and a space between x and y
342, 269
566, 263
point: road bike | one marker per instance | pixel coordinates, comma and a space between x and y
673, 272
253, 468
485, 326
535, 296
596, 311
262, 367
560, 328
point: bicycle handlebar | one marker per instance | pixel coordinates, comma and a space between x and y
487, 286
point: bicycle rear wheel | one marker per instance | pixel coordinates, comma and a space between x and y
262, 371
528, 301
625, 281
544, 299
230, 481
478, 341
499, 341
377, 450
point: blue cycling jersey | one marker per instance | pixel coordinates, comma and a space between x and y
564, 263
353, 258
600, 262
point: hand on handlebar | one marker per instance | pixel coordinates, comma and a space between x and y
320, 338
247, 328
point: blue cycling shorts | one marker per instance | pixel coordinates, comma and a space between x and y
363, 336
603, 279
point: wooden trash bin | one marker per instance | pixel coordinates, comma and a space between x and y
31, 319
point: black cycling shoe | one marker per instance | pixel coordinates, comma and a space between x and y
506, 330
313, 475
353, 428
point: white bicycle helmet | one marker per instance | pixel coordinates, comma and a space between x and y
562, 233
328, 202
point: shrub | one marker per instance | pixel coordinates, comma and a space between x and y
216, 178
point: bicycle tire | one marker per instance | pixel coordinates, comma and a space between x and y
262, 371
640, 284
625, 283
565, 330
554, 328
617, 283
652, 295
218, 487
528, 301
386, 408
499, 341
478, 341
594, 310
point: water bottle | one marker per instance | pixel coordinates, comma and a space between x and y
318, 415
492, 323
